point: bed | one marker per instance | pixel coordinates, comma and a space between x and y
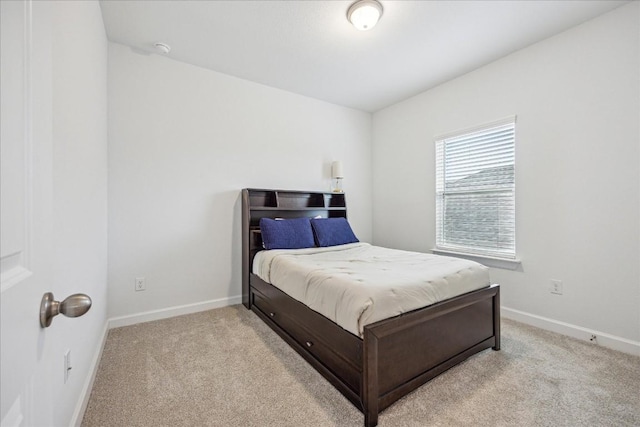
372, 363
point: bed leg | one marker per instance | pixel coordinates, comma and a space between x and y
370, 420
496, 320
370, 379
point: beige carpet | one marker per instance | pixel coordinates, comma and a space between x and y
225, 367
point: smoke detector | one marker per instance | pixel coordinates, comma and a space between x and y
162, 47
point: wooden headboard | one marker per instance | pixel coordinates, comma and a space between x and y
260, 203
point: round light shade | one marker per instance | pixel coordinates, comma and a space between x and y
364, 14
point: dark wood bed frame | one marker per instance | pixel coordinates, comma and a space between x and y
396, 355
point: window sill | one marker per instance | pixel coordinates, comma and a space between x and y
504, 263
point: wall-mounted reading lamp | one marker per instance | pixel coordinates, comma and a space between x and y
336, 177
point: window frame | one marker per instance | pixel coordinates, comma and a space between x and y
488, 256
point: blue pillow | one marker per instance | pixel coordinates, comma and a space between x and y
286, 233
333, 231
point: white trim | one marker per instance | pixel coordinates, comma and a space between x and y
29, 154
14, 415
489, 261
503, 121
606, 340
85, 394
164, 313
13, 276
16, 267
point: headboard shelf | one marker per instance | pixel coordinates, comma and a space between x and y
269, 208
289, 199
264, 203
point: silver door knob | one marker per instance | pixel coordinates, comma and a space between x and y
73, 306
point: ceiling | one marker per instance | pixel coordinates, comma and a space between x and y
309, 47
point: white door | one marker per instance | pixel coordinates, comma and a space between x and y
25, 210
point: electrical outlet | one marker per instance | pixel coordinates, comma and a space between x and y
67, 365
556, 287
140, 284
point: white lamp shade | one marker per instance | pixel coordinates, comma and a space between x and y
336, 170
364, 14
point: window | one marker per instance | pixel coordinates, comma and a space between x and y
475, 191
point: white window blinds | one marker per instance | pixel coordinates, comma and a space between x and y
475, 191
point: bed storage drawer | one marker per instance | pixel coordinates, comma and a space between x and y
263, 304
343, 356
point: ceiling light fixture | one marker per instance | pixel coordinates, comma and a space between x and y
162, 47
364, 14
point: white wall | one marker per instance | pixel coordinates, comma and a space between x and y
183, 142
79, 49
576, 96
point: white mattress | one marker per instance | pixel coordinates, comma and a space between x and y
358, 284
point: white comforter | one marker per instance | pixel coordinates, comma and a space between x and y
357, 284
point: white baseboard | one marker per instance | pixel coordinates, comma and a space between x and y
606, 340
164, 313
85, 394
